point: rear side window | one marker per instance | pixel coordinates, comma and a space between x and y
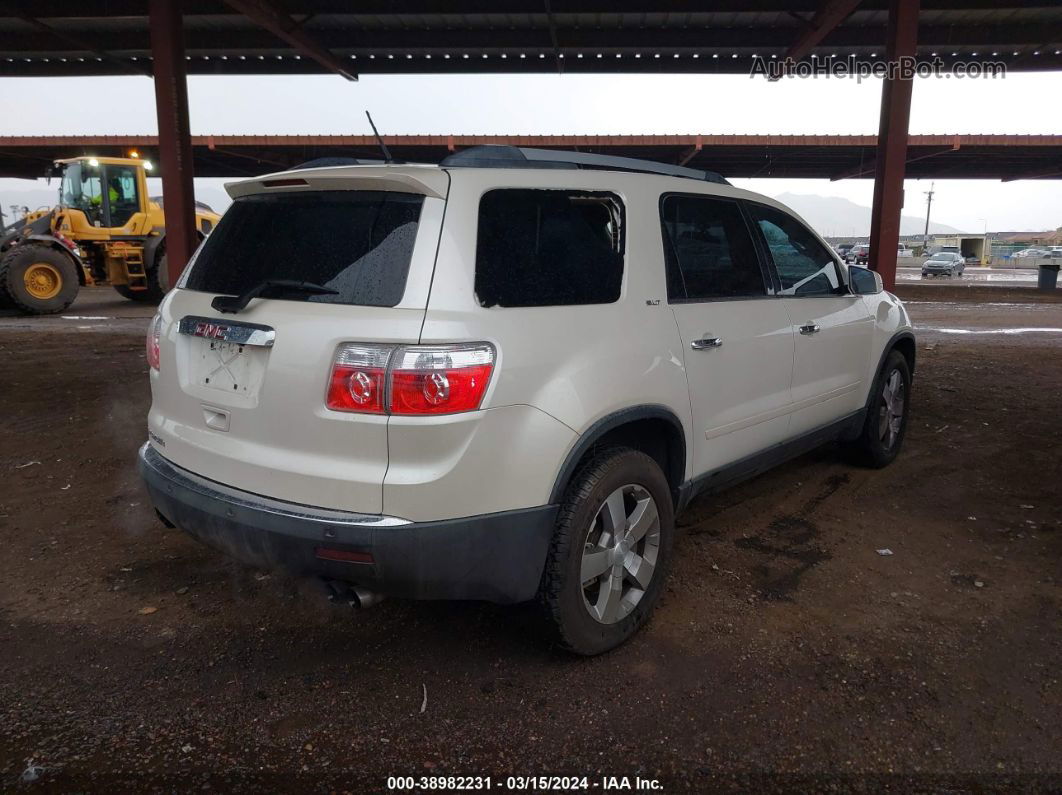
804, 265
358, 243
549, 248
708, 250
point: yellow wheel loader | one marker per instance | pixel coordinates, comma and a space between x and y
105, 230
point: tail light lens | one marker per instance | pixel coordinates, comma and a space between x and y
440, 379
154, 332
359, 379
412, 379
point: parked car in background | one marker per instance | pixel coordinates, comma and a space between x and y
500, 378
1026, 253
843, 249
858, 255
945, 263
903, 252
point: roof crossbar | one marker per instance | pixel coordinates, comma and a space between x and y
499, 156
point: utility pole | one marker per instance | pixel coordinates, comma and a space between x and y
929, 205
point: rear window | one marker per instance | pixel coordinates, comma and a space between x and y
549, 248
358, 243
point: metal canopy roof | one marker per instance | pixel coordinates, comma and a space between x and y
95, 37
829, 156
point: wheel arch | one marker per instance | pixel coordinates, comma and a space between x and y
653, 429
902, 341
153, 244
50, 241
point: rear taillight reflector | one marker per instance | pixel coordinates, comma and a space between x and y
342, 555
411, 379
359, 378
154, 333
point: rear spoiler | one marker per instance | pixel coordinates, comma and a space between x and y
423, 180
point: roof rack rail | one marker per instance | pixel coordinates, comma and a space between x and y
500, 156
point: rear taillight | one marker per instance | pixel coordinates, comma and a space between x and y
412, 379
152, 343
440, 379
359, 378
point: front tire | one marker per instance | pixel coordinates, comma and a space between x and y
611, 551
885, 426
38, 280
157, 281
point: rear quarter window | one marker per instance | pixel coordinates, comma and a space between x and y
358, 243
549, 248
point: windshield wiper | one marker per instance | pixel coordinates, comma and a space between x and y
232, 304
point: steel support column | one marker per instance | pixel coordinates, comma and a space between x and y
892, 142
175, 135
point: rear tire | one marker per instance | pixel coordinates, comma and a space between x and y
38, 280
885, 426
157, 279
611, 551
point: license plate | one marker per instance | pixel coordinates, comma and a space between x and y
228, 356
229, 367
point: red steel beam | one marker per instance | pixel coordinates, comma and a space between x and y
444, 140
175, 137
1037, 174
280, 24
830, 14
869, 167
688, 154
891, 157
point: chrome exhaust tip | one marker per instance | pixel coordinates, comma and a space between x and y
353, 595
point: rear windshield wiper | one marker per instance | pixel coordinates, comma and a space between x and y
237, 303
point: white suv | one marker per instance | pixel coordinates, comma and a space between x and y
500, 377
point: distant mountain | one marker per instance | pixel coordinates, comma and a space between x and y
832, 216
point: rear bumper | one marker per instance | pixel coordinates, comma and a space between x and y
496, 557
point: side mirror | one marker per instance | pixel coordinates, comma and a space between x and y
864, 281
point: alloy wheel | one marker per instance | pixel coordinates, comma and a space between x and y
620, 554
890, 413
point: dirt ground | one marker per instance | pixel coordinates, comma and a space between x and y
787, 653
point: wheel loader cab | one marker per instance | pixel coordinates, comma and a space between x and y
103, 197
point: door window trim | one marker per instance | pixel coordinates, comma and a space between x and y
766, 276
765, 253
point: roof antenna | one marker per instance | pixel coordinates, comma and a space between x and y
383, 146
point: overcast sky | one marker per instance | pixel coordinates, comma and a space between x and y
584, 104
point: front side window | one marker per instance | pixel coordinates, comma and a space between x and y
549, 248
121, 194
804, 265
358, 243
708, 250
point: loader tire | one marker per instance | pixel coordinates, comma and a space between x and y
157, 285
38, 280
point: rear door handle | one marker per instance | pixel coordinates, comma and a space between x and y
706, 343
809, 328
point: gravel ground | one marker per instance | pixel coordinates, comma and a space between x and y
787, 653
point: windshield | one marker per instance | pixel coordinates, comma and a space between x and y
358, 243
